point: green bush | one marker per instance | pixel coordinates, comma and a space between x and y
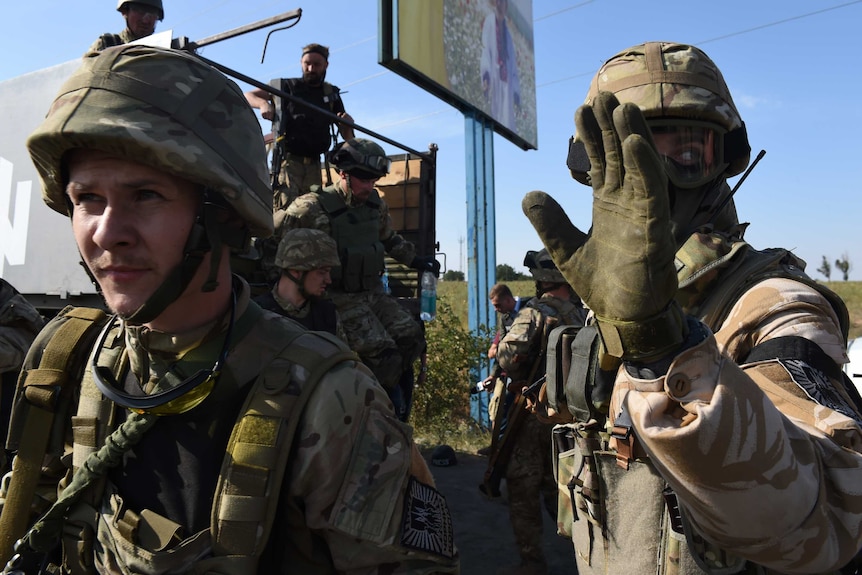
441, 405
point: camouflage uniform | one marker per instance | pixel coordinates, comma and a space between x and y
379, 329
356, 495
529, 473
738, 450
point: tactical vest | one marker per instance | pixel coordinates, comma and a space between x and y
302, 130
321, 315
249, 484
356, 231
636, 504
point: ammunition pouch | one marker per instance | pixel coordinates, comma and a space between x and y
579, 376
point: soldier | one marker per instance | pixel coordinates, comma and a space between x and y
19, 324
735, 444
140, 17
204, 436
301, 135
527, 461
306, 258
384, 334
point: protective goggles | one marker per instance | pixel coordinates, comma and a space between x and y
180, 398
377, 164
692, 151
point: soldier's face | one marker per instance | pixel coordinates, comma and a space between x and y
141, 19
131, 223
316, 281
313, 68
503, 304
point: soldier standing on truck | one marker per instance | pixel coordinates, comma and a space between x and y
306, 258
731, 442
301, 134
382, 331
205, 438
140, 17
526, 460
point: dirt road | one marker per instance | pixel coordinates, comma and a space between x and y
483, 533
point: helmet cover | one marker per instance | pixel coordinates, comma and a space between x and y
306, 249
671, 81
542, 267
361, 158
163, 108
157, 4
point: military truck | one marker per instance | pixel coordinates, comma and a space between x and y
38, 254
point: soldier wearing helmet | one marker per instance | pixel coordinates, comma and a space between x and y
140, 17
384, 334
205, 438
726, 402
305, 258
521, 353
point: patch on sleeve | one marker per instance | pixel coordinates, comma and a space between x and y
818, 387
427, 524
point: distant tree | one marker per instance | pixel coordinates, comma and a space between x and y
844, 265
453, 276
506, 273
825, 268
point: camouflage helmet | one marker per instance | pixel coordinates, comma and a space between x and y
542, 267
361, 158
671, 81
306, 249
165, 109
157, 4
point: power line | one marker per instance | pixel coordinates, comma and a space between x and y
777, 22
552, 14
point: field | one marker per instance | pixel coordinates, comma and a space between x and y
455, 294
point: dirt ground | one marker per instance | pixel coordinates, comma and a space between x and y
483, 533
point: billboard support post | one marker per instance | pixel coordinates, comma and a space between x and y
481, 238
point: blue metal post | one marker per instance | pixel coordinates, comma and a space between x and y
481, 239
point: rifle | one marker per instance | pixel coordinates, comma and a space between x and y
503, 440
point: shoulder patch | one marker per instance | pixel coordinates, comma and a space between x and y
427, 523
818, 387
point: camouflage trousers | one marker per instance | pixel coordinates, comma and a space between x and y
531, 485
381, 331
295, 178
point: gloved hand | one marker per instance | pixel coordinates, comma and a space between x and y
426, 263
624, 269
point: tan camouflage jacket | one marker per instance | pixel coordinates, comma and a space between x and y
306, 212
520, 347
759, 469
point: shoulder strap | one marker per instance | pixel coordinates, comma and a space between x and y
40, 391
249, 485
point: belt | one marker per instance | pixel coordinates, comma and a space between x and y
303, 159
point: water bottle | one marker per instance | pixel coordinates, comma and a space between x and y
385, 280
428, 297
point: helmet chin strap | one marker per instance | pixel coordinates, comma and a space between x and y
300, 283
205, 236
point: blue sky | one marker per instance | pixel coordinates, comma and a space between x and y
793, 68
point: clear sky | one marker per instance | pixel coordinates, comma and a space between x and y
793, 68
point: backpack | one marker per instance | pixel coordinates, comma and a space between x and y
256, 457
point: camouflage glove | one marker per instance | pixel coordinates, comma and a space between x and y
624, 269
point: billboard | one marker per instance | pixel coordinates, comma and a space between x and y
474, 54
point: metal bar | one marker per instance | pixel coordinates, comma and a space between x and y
292, 15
